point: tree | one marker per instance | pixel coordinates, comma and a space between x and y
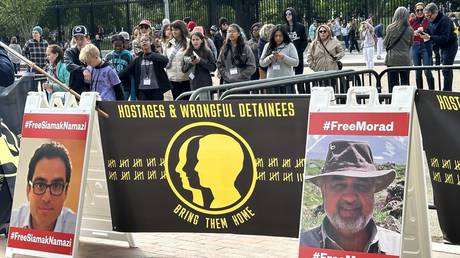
21, 15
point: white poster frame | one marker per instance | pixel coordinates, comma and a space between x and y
415, 233
37, 103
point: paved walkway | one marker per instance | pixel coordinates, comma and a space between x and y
357, 59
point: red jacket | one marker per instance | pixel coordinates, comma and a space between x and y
417, 23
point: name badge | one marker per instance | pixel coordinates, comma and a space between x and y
233, 71
191, 76
146, 81
276, 67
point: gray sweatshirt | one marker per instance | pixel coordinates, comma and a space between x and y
283, 67
233, 72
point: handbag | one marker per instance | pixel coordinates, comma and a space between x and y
339, 63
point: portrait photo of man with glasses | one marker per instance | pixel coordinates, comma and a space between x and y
48, 180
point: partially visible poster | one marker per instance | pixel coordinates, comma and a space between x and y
438, 113
215, 167
48, 184
354, 184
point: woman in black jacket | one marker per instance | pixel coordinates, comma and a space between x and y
352, 37
199, 62
148, 71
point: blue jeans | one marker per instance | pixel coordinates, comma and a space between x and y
422, 54
447, 58
347, 41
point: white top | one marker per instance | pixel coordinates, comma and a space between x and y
65, 222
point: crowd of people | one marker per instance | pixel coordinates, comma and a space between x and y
182, 56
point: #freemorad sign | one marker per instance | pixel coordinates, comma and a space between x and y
216, 167
48, 184
354, 184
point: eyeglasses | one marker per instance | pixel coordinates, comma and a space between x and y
419, 10
56, 189
322, 31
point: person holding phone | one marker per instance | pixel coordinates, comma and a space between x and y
421, 51
441, 32
199, 62
280, 56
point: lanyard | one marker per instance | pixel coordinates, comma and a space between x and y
97, 78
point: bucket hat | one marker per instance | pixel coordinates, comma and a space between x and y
353, 159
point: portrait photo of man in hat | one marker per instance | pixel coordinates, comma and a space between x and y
349, 181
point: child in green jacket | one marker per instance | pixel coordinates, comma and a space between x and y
56, 68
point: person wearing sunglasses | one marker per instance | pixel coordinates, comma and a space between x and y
298, 36
324, 52
48, 181
421, 51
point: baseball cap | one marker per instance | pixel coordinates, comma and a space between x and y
145, 22
117, 38
191, 25
124, 34
79, 30
199, 29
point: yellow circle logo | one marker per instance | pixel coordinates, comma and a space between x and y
210, 168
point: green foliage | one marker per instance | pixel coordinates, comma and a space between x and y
21, 16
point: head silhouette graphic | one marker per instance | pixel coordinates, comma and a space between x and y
185, 169
220, 161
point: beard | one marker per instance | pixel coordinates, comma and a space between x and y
350, 225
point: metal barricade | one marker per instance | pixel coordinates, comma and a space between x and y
437, 68
340, 98
340, 80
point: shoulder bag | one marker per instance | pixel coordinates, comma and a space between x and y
339, 64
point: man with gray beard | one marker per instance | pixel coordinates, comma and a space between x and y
348, 181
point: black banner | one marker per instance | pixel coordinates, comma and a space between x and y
439, 116
221, 167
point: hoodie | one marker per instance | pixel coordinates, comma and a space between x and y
296, 32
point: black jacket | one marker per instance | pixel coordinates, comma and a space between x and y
6, 69
442, 31
202, 76
159, 62
76, 68
218, 40
297, 34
